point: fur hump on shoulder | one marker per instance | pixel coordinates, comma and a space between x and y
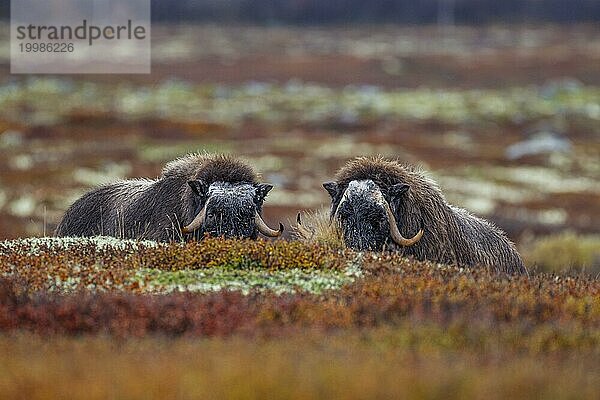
385, 173
211, 168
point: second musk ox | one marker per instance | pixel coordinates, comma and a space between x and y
380, 204
196, 194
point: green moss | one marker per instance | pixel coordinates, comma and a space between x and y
243, 279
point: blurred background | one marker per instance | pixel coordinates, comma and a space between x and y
499, 100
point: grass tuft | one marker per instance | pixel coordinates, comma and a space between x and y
565, 251
315, 227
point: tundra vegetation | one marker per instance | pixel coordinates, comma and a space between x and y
367, 323
505, 120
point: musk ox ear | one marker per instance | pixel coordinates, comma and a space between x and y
262, 189
398, 190
199, 187
332, 188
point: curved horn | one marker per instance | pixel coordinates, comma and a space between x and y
395, 233
197, 222
343, 199
305, 232
264, 229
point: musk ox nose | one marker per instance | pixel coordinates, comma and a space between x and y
361, 245
228, 234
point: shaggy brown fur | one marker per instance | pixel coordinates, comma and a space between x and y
152, 209
211, 168
451, 234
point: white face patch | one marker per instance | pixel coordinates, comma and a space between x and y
363, 189
238, 196
227, 189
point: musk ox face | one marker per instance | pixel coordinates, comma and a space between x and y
363, 212
361, 216
230, 210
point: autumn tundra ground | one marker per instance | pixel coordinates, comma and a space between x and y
506, 119
103, 317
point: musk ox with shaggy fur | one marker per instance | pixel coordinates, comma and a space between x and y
196, 194
379, 204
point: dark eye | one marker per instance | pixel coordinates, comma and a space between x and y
210, 215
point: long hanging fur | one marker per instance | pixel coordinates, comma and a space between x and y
451, 234
151, 209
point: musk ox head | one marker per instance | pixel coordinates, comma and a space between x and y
231, 210
361, 208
